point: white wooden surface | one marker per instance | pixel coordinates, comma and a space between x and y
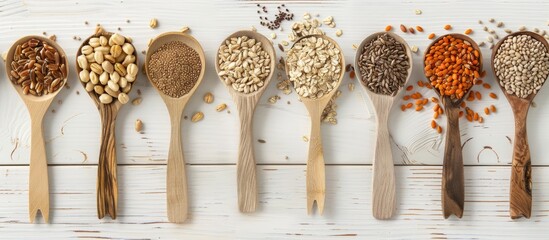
72, 134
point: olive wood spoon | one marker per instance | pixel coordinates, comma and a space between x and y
383, 183
176, 179
316, 177
245, 103
520, 199
107, 186
39, 197
453, 189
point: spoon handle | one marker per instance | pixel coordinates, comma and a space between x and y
316, 182
176, 180
521, 172
383, 183
107, 187
245, 166
39, 197
452, 168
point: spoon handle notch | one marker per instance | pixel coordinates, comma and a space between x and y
176, 177
316, 182
521, 172
107, 186
246, 176
452, 168
39, 197
383, 183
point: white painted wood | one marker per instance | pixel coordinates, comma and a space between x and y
282, 212
72, 134
73, 131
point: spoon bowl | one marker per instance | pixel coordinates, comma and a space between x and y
316, 177
383, 183
37, 106
107, 186
520, 198
453, 190
176, 180
245, 104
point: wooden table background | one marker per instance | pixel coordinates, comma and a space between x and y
72, 134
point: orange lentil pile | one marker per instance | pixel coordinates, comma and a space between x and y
415, 100
452, 66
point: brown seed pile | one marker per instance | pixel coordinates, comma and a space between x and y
38, 68
174, 68
384, 65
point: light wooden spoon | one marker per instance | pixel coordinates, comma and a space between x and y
520, 198
245, 104
316, 177
176, 179
107, 185
39, 196
383, 183
453, 190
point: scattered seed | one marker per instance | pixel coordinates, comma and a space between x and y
500, 24
419, 28
414, 49
273, 35
403, 28
447, 27
522, 28
137, 101
492, 20
197, 117
208, 97
388, 28
431, 36
261, 141
339, 32
439, 129
508, 31
418, 12
493, 95
305, 139
412, 30
153, 23
468, 31
221, 107
138, 125
351, 87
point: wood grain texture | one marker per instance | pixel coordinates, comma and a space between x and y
246, 104
176, 177
107, 183
37, 106
76, 115
142, 212
453, 193
521, 172
383, 183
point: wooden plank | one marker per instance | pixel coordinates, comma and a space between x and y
281, 211
73, 131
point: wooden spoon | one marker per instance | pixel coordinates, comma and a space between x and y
521, 172
316, 177
246, 103
453, 190
176, 180
383, 184
39, 196
107, 186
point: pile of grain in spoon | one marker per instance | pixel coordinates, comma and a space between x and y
314, 67
384, 65
522, 65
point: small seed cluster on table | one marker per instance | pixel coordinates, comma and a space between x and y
384, 65
522, 65
38, 68
315, 67
452, 66
108, 67
244, 64
174, 68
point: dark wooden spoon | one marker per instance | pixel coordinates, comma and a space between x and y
453, 190
520, 199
